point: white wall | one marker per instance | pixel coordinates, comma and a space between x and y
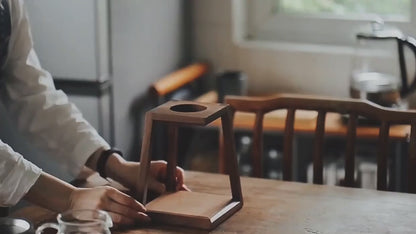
269, 70
73, 31
146, 45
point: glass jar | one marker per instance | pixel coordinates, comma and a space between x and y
80, 221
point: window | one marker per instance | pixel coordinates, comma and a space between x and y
391, 9
322, 22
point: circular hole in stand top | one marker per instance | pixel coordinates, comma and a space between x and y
188, 108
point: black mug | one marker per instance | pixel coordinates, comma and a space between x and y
231, 83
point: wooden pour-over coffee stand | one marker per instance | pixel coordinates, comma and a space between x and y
191, 209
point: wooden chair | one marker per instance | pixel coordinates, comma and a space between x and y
352, 107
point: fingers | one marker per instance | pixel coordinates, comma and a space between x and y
123, 208
125, 199
119, 220
185, 188
179, 178
159, 169
127, 212
156, 186
180, 174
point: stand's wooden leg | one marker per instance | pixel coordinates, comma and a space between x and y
172, 158
221, 154
221, 149
141, 186
230, 155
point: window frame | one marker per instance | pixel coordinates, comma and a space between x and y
255, 22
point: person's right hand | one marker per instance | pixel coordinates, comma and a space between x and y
123, 209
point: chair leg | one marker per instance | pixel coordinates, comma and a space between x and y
383, 150
411, 161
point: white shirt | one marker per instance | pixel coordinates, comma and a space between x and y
43, 113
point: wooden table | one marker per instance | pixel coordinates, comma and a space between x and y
272, 206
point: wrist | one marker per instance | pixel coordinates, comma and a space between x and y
93, 159
40, 193
106, 159
114, 165
122, 171
72, 198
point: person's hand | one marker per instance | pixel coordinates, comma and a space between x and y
123, 209
127, 173
157, 177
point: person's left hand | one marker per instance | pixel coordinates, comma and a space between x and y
127, 173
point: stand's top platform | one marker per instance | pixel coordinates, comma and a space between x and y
188, 112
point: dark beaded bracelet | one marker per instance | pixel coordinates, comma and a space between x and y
102, 160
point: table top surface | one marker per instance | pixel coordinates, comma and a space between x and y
272, 206
305, 122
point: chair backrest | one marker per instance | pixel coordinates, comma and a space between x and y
323, 105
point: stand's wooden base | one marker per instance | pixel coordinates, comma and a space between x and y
192, 209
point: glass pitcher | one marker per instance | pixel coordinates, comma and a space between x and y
379, 71
80, 221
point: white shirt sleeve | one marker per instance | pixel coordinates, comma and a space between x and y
17, 175
40, 111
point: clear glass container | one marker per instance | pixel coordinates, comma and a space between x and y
80, 221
